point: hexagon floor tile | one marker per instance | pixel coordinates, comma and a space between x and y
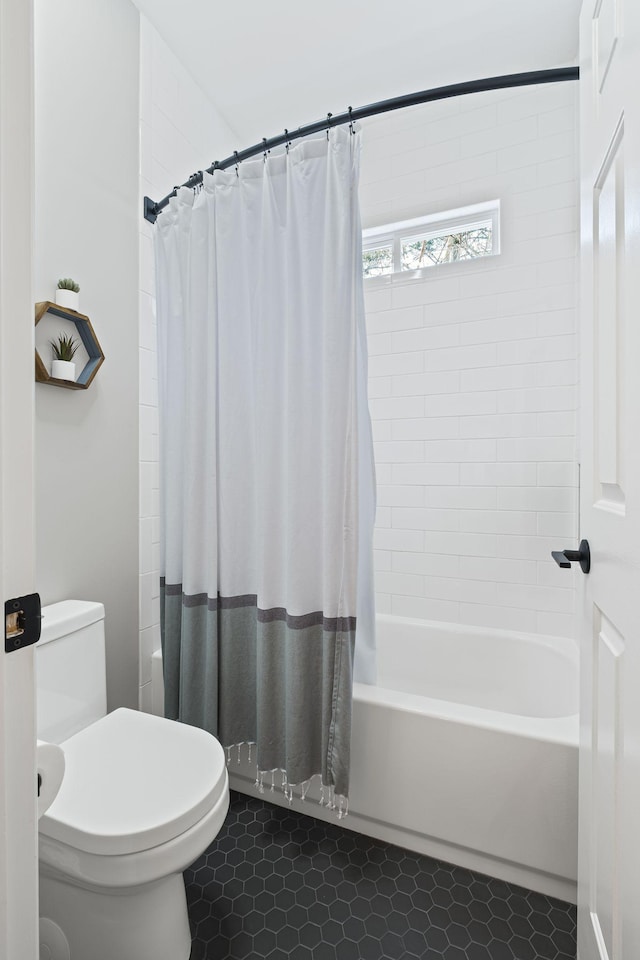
277, 885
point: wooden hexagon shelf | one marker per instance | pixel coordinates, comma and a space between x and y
92, 348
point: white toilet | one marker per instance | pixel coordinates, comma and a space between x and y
142, 797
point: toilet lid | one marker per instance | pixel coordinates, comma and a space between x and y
133, 781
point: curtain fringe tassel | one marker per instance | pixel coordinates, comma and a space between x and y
328, 797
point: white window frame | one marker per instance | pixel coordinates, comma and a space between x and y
432, 225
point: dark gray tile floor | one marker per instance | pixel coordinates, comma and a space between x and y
277, 885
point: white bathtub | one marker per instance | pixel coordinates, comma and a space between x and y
467, 750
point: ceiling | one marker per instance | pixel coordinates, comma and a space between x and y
270, 64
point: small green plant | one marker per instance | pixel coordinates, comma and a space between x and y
64, 347
68, 284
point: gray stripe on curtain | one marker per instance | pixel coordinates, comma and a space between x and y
273, 662
295, 622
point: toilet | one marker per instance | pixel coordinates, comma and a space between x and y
141, 798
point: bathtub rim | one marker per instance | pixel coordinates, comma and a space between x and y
567, 647
560, 730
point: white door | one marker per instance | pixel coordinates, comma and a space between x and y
18, 825
609, 868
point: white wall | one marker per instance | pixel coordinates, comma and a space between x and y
180, 131
86, 226
473, 369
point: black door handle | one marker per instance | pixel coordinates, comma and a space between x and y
564, 558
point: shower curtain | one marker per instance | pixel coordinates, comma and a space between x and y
267, 478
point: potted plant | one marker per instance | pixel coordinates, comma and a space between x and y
67, 294
64, 349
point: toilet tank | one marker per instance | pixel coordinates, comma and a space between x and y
70, 669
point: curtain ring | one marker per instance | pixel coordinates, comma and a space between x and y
329, 115
351, 130
235, 153
287, 144
264, 150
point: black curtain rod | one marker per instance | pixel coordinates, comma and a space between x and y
152, 209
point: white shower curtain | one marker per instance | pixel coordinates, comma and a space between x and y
266, 458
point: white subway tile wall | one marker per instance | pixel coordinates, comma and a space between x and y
180, 131
473, 368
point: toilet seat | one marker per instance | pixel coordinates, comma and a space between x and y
134, 781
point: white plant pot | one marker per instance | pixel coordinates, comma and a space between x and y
68, 298
63, 370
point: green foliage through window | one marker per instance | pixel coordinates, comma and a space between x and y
377, 262
428, 251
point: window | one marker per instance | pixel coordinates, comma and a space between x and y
378, 260
463, 234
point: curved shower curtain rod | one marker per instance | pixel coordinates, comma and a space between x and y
152, 209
